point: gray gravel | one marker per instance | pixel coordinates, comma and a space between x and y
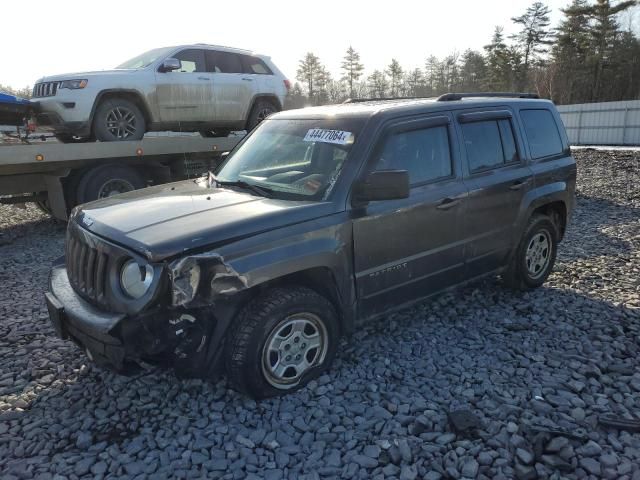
554, 358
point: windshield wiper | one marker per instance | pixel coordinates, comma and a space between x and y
262, 191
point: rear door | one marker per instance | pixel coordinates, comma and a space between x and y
497, 177
232, 88
185, 95
405, 249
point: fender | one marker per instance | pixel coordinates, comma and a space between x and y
539, 196
146, 111
259, 96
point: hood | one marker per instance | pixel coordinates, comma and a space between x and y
166, 220
87, 75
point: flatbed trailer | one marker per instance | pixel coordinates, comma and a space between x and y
59, 176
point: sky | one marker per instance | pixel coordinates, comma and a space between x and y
64, 37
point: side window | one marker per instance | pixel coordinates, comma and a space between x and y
191, 60
542, 133
489, 144
424, 153
255, 65
223, 62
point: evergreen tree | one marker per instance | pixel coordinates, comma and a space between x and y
352, 69
534, 36
311, 72
395, 72
378, 84
498, 62
415, 85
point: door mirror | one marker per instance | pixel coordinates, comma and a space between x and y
384, 185
170, 64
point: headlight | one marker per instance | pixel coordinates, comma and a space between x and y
185, 283
73, 84
135, 279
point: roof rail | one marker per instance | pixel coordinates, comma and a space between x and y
448, 97
382, 99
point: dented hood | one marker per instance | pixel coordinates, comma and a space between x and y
168, 220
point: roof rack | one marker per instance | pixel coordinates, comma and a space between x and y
382, 99
448, 97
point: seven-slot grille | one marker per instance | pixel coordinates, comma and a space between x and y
45, 89
86, 269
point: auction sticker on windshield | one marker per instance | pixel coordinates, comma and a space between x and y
328, 136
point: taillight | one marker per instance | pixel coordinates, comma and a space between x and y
287, 85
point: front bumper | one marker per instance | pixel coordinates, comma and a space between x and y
170, 337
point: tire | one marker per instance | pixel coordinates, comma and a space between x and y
280, 316
261, 110
67, 138
107, 180
535, 255
117, 120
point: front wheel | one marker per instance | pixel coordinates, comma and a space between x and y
117, 119
535, 255
281, 341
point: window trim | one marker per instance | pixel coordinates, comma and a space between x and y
419, 124
566, 151
495, 116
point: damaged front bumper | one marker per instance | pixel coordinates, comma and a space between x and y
184, 338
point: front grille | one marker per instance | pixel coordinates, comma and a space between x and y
86, 269
45, 89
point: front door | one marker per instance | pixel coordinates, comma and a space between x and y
497, 177
186, 94
406, 249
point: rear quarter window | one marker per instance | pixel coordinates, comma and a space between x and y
542, 133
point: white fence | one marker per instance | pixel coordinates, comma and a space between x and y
607, 123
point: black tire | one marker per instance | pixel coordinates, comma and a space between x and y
67, 138
260, 321
523, 273
261, 110
217, 133
133, 126
107, 180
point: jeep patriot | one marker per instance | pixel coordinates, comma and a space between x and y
320, 219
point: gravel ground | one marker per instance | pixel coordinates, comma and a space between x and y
553, 360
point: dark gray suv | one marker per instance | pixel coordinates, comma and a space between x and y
321, 218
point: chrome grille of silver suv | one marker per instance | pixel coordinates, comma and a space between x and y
45, 89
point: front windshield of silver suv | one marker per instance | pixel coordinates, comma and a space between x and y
294, 157
146, 59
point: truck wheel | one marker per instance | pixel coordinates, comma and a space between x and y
261, 110
117, 119
535, 255
280, 341
107, 180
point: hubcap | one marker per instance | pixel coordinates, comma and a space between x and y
114, 187
538, 254
121, 122
295, 345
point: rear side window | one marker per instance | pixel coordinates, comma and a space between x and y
255, 65
223, 62
424, 153
489, 144
191, 60
542, 133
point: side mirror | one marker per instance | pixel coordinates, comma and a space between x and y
170, 64
383, 185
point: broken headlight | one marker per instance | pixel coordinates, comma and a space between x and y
135, 279
185, 280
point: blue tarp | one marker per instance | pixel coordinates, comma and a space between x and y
8, 99
13, 109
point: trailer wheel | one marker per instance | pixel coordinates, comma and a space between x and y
107, 180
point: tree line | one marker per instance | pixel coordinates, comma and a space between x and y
587, 57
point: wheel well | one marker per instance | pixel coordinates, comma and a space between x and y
269, 98
558, 212
319, 279
127, 95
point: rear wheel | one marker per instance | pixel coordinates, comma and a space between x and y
535, 256
106, 181
117, 119
280, 341
261, 110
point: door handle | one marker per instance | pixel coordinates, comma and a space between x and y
204, 78
447, 203
247, 79
518, 184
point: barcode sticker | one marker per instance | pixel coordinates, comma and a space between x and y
328, 136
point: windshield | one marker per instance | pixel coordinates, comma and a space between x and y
146, 59
302, 158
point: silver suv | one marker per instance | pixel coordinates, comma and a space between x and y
201, 88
